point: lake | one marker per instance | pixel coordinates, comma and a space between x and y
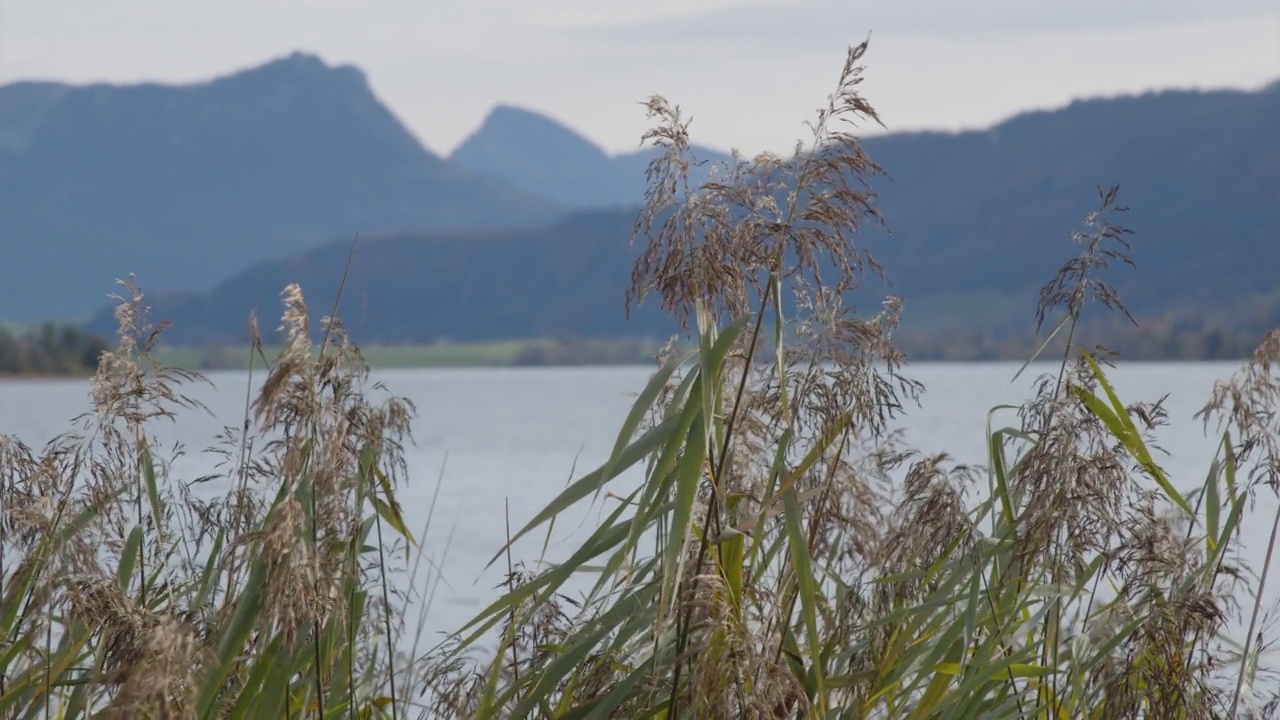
516, 435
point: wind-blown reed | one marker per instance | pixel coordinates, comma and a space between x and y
785, 556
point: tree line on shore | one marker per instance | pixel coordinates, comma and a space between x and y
49, 349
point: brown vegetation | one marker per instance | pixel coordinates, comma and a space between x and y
786, 555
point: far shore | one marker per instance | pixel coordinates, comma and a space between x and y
513, 354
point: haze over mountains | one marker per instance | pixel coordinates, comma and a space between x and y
541, 156
564, 280
186, 185
220, 194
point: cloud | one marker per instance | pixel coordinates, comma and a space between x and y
748, 71
822, 21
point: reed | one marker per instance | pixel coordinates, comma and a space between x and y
129, 593
786, 555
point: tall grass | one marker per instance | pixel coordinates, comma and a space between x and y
129, 594
785, 556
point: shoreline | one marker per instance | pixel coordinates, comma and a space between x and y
42, 378
46, 378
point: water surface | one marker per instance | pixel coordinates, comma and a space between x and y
497, 436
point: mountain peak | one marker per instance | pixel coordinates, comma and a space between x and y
508, 128
300, 63
539, 155
298, 69
504, 115
302, 60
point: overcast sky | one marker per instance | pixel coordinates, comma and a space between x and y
750, 72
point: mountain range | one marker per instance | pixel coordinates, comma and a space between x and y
566, 279
185, 185
541, 156
219, 194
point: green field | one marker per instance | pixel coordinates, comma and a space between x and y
506, 353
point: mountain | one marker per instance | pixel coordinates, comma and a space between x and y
980, 219
990, 211
186, 185
566, 278
977, 222
542, 156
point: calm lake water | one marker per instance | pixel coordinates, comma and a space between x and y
517, 435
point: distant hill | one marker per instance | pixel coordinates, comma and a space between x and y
186, 185
565, 279
989, 212
539, 155
985, 216
979, 221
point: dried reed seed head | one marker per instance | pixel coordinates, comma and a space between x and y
120, 624
26, 500
1078, 281
167, 676
1249, 402
717, 243
295, 321
129, 385
295, 590
930, 514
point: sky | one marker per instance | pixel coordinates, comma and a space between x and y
748, 72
